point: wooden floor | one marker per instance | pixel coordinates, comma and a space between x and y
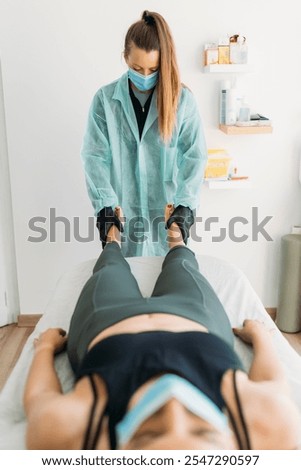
13, 338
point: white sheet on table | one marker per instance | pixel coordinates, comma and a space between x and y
231, 285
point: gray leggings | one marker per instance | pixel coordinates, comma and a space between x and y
112, 294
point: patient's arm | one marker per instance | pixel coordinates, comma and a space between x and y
42, 377
274, 423
265, 365
44, 402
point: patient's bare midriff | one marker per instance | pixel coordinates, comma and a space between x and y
149, 322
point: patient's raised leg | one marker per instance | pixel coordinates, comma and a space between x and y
174, 235
114, 272
180, 276
114, 233
183, 288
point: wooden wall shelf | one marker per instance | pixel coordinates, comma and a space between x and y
236, 130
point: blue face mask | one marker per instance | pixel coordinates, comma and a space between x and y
164, 389
142, 82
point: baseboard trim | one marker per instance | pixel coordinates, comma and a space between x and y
272, 311
28, 320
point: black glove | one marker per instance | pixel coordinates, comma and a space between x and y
105, 219
184, 218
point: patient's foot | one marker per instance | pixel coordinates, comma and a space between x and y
114, 233
174, 235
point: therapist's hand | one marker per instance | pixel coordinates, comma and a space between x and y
184, 218
105, 219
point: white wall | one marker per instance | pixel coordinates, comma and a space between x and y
9, 295
3, 307
57, 53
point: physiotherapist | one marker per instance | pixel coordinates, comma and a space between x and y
144, 145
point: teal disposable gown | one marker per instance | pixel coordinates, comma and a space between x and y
142, 176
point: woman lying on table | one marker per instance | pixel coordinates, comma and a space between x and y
157, 372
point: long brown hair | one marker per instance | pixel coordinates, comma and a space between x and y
153, 33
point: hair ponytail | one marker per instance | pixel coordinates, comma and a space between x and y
153, 33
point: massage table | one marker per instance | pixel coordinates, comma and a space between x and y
229, 282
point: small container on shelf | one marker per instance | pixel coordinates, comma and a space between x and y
235, 176
244, 113
210, 54
218, 165
238, 49
231, 106
223, 51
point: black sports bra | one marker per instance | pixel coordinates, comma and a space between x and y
127, 361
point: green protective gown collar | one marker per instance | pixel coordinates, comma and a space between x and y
122, 94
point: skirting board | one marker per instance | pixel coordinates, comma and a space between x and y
28, 320
272, 311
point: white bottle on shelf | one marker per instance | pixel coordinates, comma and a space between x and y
243, 49
231, 106
244, 112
